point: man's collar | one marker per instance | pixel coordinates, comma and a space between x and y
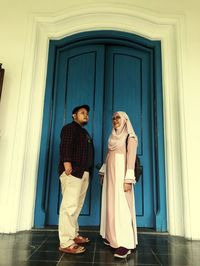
76, 123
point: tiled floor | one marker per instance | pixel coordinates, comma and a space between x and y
41, 248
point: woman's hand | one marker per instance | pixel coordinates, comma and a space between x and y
68, 168
127, 187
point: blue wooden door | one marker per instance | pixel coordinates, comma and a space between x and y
128, 88
79, 79
108, 78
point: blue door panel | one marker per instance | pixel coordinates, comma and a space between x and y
129, 90
128, 84
79, 80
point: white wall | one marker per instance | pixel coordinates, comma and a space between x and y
25, 26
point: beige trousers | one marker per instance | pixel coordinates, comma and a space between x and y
73, 191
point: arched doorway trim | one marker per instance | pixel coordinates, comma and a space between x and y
125, 18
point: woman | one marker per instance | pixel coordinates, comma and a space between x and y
118, 219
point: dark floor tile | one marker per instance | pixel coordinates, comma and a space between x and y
53, 238
90, 246
140, 238
179, 240
54, 234
48, 247
99, 240
144, 249
109, 258
36, 263
118, 262
155, 235
139, 264
153, 241
35, 239
86, 257
142, 259
45, 256
35, 235
27, 246
29, 239
40, 248
174, 260
191, 254
170, 249
100, 247
65, 263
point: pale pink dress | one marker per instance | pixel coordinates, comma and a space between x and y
118, 218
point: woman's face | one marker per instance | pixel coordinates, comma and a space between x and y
116, 120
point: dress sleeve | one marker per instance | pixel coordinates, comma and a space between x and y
102, 170
130, 160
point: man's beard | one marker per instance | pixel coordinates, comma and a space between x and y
84, 123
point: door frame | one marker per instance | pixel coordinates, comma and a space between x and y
114, 37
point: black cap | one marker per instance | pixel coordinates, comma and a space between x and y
75, 110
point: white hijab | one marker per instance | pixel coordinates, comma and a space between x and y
118, 136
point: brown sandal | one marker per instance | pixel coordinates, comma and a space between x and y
81, 239
73, 249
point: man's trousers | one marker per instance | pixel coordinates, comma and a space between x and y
73, 191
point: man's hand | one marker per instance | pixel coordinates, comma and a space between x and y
68, 168
101, 178
127, 187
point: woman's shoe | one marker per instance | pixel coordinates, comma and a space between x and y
122, 252
106, 242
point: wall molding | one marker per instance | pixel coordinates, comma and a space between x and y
121, 17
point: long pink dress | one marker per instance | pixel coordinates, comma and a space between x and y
118, 218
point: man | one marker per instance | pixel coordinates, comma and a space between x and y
76, 162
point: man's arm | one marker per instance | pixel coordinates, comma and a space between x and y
66, 148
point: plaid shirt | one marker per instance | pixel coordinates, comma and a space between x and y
74, 148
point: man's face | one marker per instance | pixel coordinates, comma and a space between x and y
81, 116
